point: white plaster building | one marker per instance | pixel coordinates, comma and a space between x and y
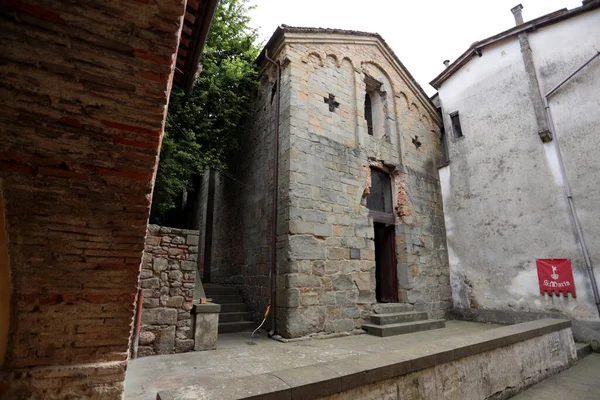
503, 187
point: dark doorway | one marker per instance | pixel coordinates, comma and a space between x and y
385, 264
379, 203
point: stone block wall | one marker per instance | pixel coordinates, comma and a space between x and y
242, 206
327, 281
325, 249
167, 281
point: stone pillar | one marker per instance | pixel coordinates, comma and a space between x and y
533, 84
206, 326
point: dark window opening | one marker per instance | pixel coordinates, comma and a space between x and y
273, 91
456, 128
368, 114
444, 146
380, 196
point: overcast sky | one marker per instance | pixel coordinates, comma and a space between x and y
422, 33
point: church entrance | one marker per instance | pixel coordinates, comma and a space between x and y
379, 203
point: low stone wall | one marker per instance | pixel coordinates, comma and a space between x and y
491, 364
167, 280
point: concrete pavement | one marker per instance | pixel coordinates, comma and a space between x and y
239, 355
580, 382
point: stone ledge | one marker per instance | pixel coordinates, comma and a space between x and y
263, 386
315, 381
206, 308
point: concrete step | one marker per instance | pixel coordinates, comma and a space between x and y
396, 318
234, 316
213, 290
392, 308
583, 349
225, 298
404, 327
240, 326
233, 307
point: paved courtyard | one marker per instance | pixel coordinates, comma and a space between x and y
581, 382
240, 355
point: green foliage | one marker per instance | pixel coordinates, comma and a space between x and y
202, 128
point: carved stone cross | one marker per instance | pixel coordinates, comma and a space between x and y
331, 101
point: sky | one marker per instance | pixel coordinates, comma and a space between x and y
422, 33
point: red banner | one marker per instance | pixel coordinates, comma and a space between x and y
555, 276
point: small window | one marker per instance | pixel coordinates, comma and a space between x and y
368, 114
456, 128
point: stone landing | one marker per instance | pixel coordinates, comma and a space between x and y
463, 360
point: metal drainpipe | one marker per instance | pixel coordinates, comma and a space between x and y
274, 205
567, 188
138, 322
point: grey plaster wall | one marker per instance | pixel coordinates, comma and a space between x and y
503, 198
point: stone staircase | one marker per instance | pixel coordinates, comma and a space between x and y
399, 318
234, 315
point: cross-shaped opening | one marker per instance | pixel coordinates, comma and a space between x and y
331, 101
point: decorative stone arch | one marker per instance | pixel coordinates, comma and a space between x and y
334, 58
403, 100
5, 311
306, 59
365, 65
349, 60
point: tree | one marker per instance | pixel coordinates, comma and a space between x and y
203, 126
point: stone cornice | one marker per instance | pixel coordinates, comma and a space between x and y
290, 35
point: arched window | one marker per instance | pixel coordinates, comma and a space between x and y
368, 114
375, 100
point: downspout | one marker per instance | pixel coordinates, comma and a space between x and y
567, 188
273, 271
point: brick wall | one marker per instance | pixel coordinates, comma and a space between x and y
84, 89
167, 282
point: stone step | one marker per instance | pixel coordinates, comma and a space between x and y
225, 298
392, 308
239, 326
583, 349
396, 318
212, 290
234, 316
404, 327
233, 307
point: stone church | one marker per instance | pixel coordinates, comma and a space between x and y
359, 209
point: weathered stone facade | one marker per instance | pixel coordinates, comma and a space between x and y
167, 281
326, 257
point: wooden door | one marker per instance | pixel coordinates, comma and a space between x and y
385, 263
